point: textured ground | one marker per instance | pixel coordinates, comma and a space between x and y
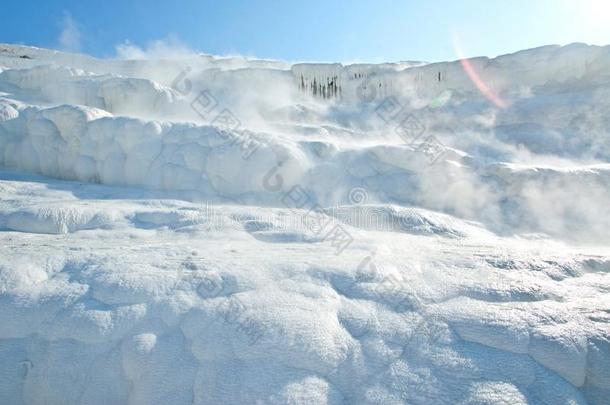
312, 253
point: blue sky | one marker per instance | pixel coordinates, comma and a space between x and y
316, 30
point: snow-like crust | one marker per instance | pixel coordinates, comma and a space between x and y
152, 254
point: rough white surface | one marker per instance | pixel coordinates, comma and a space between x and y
152, 254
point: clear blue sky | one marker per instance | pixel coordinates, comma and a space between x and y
316, 30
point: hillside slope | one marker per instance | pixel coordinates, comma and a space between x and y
224, 230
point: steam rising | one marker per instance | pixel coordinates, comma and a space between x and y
539, 164
70, 35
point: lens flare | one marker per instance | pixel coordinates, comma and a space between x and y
474, 76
